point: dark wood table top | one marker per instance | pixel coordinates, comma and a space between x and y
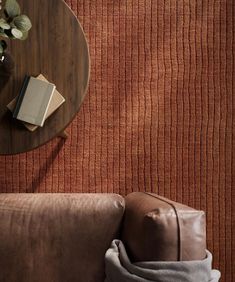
57, 48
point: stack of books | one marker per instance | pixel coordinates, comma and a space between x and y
37, 100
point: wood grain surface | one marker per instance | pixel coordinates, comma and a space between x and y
57, 48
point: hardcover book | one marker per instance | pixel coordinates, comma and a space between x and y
33, 101
56, 101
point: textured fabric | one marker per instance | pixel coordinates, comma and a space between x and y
157, 229
159, 115
118, 268
58, 237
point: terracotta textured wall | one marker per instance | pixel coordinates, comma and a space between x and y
159, 115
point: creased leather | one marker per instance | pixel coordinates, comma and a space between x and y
57, 238
157, 229
63, 237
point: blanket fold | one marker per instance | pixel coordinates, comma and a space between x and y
119, 268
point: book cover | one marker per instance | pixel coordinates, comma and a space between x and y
56, 101
33, 101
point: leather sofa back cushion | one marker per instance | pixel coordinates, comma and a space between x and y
156, 228
60, 237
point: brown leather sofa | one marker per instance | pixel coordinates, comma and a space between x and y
64, 237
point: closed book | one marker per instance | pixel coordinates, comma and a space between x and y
56, 101
33, 101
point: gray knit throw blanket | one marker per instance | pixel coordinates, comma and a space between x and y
119, 268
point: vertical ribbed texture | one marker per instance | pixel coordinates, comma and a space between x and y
159, 115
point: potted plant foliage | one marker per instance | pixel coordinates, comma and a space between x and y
13, 25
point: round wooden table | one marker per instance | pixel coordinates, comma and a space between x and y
57, 48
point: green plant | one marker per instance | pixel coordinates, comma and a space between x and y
13, 24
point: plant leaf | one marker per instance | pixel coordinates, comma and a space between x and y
12, 8
4, 24
25, 35
23, 23
3, 33
3, 44
17, 33
6, 33
1, 50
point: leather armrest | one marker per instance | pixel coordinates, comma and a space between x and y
157, 229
